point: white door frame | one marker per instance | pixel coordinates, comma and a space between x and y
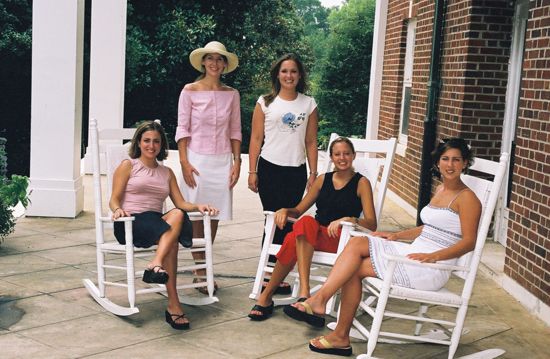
513, 89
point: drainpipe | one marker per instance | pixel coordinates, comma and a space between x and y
430, 121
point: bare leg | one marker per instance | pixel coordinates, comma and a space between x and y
279, 273
304, 253
349, 262
168, 257
168, 238
350, 298
170, 264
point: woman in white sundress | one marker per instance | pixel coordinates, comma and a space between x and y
450, 229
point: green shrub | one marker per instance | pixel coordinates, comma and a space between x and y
14, 191
11, 192
7, 222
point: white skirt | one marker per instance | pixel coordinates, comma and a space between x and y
212, 182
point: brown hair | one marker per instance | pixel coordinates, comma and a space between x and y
341, 140
274, 73
135, 151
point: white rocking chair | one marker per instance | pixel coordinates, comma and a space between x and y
374, 160
114, 152
377, 292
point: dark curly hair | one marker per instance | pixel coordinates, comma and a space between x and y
135, 152
445, 145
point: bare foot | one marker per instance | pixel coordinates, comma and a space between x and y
332, 338
317, 308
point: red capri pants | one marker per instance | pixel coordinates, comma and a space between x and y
313, 232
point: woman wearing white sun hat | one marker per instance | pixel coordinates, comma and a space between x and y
209, 135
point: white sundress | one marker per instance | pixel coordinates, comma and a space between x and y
441, 230
212, 183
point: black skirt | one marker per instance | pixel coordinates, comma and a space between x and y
149, 226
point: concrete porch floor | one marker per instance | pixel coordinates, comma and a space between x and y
45, 312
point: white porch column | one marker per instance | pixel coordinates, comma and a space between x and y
107, 65
56, 108
377, 64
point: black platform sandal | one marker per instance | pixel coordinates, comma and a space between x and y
154, 275
266, 312
171, 319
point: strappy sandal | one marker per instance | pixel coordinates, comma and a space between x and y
173, 318
204, 290
157, 274
284, 288
266, 312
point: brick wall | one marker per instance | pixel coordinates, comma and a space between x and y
404, 178
473, 80
528, 247
474, 73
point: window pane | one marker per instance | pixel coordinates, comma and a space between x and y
405, 110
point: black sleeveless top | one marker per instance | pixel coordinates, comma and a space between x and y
334, 204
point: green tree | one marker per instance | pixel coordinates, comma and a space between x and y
161, 36
343, 87
15, 81
316, 30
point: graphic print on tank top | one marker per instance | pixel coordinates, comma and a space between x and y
290, 122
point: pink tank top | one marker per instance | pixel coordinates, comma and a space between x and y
147, 188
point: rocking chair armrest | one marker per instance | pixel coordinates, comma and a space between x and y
361, 230
197, 214
447, 267
346, 223
121, 219
289, 219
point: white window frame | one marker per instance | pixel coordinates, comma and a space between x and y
407, 86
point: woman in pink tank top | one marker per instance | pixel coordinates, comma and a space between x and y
140, 186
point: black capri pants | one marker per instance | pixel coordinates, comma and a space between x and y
280, 187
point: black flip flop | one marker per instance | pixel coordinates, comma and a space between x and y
307, 316
150, 275
266, 312
329, 349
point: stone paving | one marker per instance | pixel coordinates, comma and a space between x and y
45, 312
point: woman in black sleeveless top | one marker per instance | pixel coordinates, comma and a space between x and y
339, 196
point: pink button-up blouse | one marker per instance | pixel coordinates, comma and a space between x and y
211, 119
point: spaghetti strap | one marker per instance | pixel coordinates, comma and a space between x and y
456, 196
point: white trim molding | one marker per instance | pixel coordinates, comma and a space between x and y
376, 68
401, 203
534, 305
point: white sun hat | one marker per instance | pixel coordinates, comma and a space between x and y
213, 47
